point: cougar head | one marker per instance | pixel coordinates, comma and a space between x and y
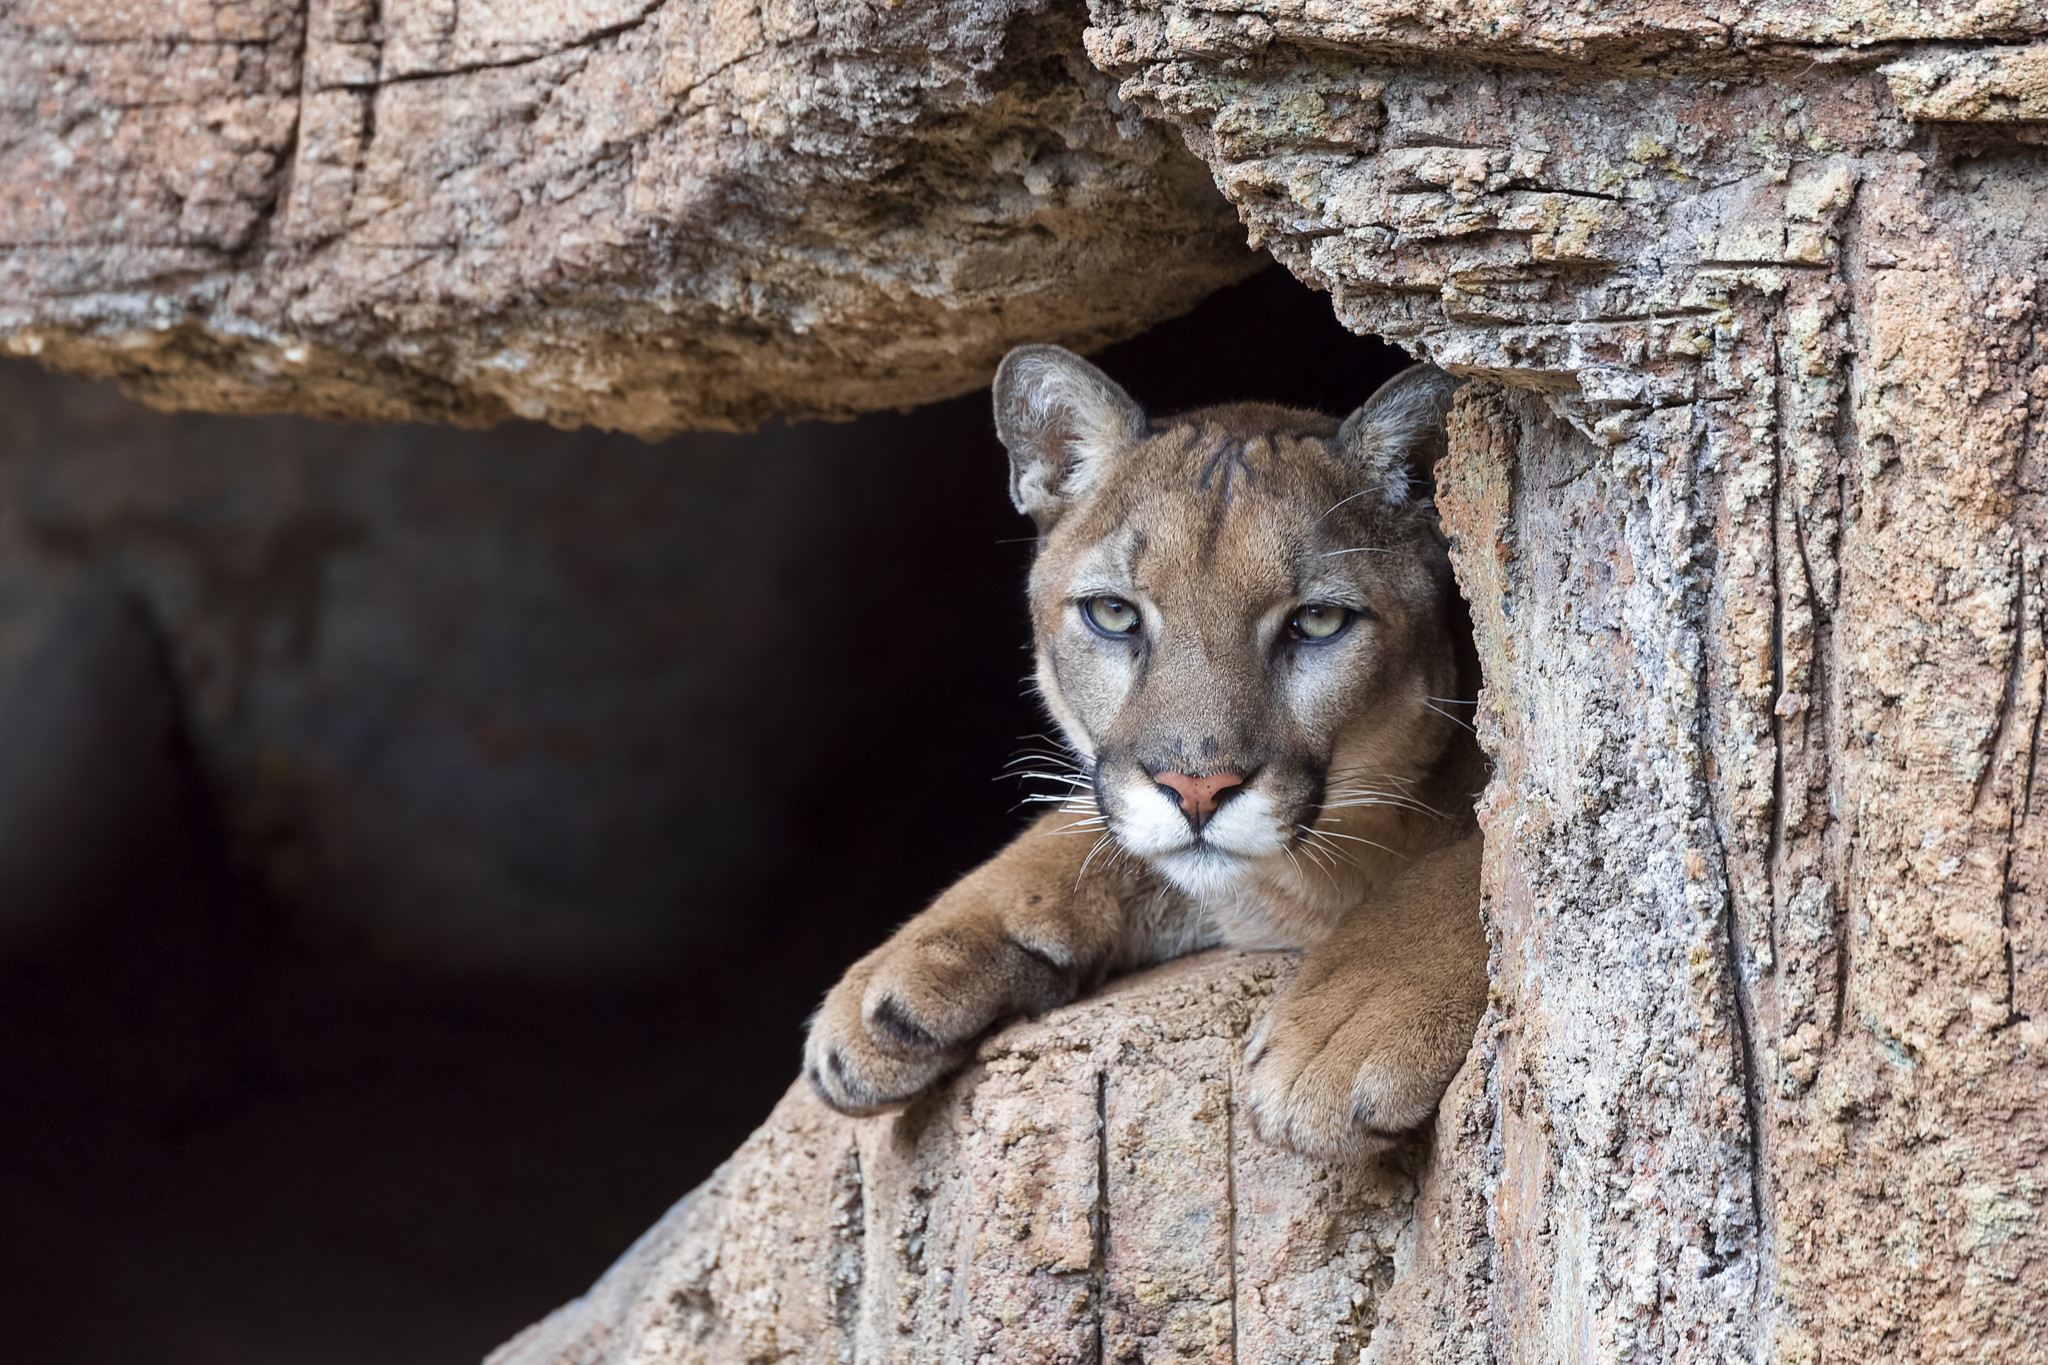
1236, 610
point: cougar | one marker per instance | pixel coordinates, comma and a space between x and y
1247, 633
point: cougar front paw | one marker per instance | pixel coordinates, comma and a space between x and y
860, 1063
1342, 1066
910, 1012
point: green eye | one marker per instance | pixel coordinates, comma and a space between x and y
1318, 621
1110, 616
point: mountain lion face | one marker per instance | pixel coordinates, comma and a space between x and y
1243, 615
1246, 626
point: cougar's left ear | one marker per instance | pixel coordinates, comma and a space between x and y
1397, 436
1063, 421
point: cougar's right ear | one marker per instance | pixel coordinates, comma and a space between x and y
1063, 421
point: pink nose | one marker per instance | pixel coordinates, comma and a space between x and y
1199, 796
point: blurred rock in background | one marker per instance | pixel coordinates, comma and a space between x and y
521, 700
419, 848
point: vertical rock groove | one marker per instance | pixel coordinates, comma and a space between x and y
1079, 1195
1230, 1193
846, 1260
1098, 1268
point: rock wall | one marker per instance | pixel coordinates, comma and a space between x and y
638, 215
1746, 499
1747, 495
1747, 502
1084, 1191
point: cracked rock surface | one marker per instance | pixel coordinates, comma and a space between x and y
647, 215
1086, 1190
1746, 496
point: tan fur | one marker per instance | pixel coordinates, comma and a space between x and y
1352, 837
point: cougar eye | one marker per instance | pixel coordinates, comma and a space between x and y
1110, 616
1318, 621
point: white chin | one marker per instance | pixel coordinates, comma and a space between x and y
1203, 870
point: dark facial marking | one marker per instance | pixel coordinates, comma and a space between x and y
1318, 775
1228, 461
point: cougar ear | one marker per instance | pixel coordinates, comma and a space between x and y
1397, 436
1063, 421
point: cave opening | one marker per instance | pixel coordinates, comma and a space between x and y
487, 811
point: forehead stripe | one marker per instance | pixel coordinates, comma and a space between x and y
1229, 459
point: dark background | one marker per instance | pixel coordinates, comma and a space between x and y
419, 849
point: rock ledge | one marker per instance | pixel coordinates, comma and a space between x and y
1083, 1192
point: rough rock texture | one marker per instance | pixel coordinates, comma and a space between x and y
640, 214
1748, 510
1084, 1191
1747, 501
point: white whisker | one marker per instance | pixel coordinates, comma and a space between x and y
1351, 801
1455, 720
1333, 834
1394, 778
1051, 777
1354, 497
1315, 836
1328, 875
1091, 858
1342, 794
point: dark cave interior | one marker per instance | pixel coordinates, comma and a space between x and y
244, 1119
